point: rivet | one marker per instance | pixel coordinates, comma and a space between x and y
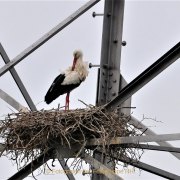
110, 87
108, 14
113, 93
123, 43
102, 86
110, 74
114, 81
115, 41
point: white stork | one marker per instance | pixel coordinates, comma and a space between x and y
68, 80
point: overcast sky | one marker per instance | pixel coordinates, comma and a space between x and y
151, 28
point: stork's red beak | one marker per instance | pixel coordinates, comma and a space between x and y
74, 63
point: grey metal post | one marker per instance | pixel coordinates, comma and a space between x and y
110, 62
111, 50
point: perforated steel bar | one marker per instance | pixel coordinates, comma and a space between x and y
18, 80
108, 86
47, 36
156, 68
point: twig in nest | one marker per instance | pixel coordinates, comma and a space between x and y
26, 135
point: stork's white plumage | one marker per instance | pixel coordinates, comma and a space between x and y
68, 80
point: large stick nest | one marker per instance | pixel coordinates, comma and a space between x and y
28, 134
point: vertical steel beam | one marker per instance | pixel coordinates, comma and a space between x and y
110, 62
48, 35
18, 80
111, 50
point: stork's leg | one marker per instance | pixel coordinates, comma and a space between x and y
67, 102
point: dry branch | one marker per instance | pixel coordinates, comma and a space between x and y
26, 135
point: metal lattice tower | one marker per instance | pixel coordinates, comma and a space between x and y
111, 91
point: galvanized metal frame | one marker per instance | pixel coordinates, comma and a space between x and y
47, 36
10, 64
148, 131
28, 169
126, 92
152, 147
144, 166
108, 85
152, 71
149, 168
100, 168
136, 139
17, 80
11, 101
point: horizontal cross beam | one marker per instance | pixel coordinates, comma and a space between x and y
136, 139
148, 131
152, 71
152, 147
47, 36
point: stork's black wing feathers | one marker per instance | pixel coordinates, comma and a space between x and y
58, 89
53, 91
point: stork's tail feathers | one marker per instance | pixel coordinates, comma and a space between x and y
48, 99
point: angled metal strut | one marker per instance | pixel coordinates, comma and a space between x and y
48, 35
152, 71
18, 80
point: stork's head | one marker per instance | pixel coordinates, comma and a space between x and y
78, 54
